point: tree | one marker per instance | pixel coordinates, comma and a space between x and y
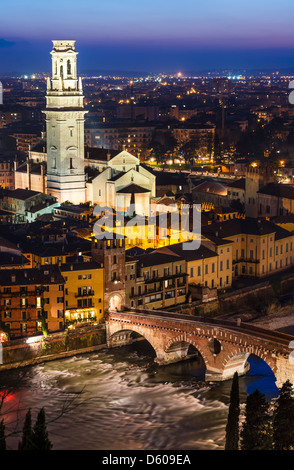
27, 434
283, 419
2, 436
232, 428
40, 434
256, 430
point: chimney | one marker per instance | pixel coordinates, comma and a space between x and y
108, 156
71, 267
15, 163
29, 174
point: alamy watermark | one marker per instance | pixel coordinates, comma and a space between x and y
182, 223
1, 353
1, 93
291, 96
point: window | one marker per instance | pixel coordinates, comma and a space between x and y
199, 271
206, 269
191, 272
228, 264
212, 268
251, 254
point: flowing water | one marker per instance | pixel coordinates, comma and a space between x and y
119, 399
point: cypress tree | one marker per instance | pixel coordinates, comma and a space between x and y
232, 428
27, 434
256, 430
40, 437
2, 436
283, 419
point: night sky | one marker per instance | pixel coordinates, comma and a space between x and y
151, 36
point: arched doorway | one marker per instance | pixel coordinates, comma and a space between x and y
115, 303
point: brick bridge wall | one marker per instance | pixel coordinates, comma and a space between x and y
224, 349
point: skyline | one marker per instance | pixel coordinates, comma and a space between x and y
155, 37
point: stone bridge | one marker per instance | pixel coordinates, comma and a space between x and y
224, 345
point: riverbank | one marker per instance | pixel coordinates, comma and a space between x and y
39, 349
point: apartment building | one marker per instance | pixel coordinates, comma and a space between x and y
27, 296
83, 292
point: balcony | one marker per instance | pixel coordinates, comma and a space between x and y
85, 293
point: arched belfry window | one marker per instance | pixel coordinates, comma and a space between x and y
68, 67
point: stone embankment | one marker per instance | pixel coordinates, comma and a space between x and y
37, 349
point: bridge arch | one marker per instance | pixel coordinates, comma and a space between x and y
123, 337
177, 348
238, 361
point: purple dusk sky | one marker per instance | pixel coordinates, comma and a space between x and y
156, 35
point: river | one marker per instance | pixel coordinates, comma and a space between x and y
119, 399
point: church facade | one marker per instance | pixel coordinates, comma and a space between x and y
121, 183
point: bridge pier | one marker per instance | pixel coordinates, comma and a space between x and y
220, 375
176, 353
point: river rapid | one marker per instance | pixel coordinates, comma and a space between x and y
119, 399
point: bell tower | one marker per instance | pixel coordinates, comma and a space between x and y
65, 118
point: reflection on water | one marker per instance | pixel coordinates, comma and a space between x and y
120, 399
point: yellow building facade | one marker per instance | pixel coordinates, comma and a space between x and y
83, 292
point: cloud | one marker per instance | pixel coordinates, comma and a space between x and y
4, 43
